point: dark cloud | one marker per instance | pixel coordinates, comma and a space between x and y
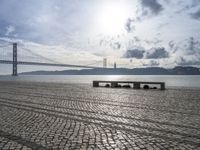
157, 53
196, 15
134, 53
153, 5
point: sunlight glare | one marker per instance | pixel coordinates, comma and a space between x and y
112, 17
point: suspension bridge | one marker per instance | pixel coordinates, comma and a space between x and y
10, 54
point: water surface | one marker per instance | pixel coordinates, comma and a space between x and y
170, 80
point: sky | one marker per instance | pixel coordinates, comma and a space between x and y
132, 33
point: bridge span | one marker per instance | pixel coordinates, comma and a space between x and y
46, 64
15, 62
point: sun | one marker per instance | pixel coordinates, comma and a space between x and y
112, 16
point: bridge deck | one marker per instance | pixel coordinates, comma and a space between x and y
46, 64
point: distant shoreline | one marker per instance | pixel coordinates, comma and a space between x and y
179, 70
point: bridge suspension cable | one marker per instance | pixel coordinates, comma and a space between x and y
38, 55
4, 45
97, 62
18, 56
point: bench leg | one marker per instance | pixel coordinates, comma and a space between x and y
114, 84
162, 86
95, 84
136, 86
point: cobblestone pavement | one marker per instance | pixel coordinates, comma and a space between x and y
66, 116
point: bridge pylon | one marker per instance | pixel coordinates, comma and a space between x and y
14, 59
105, 63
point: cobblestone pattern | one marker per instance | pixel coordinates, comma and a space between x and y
12, 145
51, 116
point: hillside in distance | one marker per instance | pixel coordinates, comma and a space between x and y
179, 70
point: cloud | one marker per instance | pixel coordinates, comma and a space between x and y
49, 21
151, 63
173, 46
185, 6
146, 9
129, 26
134, 53
31, 51
196, 15
152, 5
188, 61
116, 45
155, 41
187, 47
9, 30
71, 25
192, 46
154, 63
157, 53
109, 42
185, 52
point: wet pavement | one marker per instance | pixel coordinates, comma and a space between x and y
72, 116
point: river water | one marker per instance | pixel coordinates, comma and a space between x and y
170, 80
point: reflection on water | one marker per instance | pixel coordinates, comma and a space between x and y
183, 81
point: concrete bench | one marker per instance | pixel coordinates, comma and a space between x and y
136, 84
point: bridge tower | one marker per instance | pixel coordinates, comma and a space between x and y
14, 59
105, 63
115, 65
